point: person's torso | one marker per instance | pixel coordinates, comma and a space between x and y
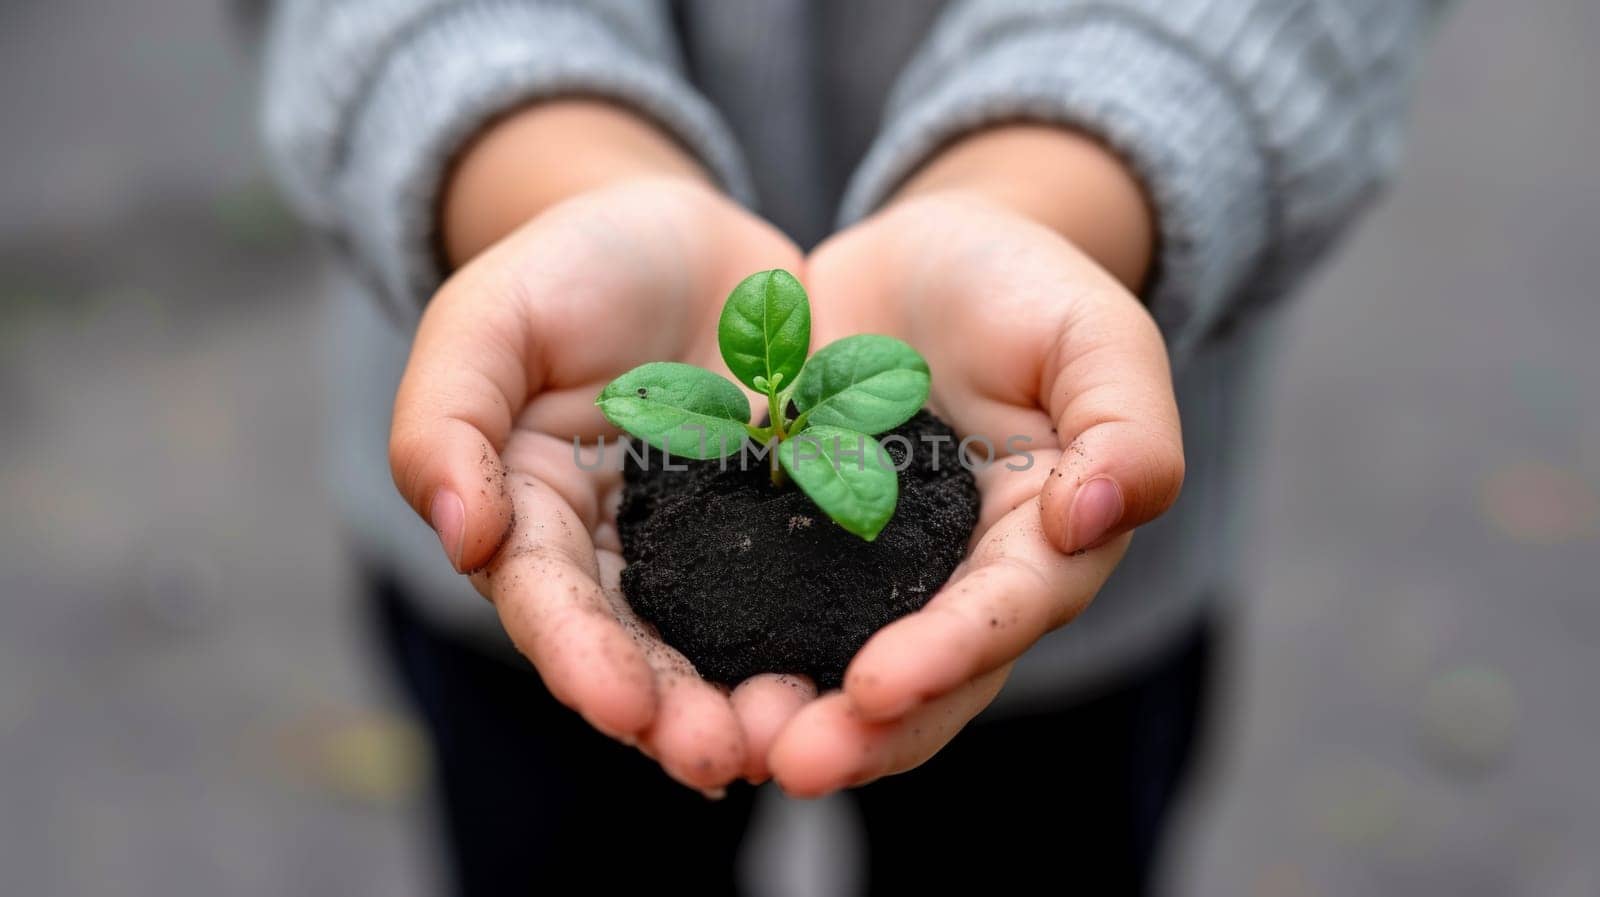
802, 84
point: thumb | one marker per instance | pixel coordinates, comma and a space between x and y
1117, 419
453, 413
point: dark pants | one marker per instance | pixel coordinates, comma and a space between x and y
534, 801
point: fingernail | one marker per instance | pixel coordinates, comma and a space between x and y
449, 518
714, 793
1095, 510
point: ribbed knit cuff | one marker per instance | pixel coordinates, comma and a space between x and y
1155, 102
454, 71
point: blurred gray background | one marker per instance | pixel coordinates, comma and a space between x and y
187, 702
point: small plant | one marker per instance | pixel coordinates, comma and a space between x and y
850, 391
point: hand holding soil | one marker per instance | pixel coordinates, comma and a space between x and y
1032, 348
1026, 336
505, 367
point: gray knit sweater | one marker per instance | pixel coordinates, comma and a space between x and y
1259, 127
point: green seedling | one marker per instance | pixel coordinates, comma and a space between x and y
844, 395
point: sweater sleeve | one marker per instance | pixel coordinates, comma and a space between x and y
366, 101
1258, 127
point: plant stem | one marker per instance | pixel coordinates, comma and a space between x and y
776, 414
778, 476
775, 411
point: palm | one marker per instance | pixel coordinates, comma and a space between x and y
1018, 328
988, 301
583, 293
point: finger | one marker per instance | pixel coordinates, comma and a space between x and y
545, 585
1110, 394
1012, 590
695, 735
452, 416
829, 745
765, 704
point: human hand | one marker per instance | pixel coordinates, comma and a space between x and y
1029, 339
502, 377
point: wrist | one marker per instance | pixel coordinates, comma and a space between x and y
541, 155
1060, 178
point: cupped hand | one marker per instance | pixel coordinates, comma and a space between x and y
1034, 348
500, 384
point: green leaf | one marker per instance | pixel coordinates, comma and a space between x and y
678, 408
848, 474
766, 329
868, 383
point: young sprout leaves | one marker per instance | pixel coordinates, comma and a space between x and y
867, 383
678, 408
848, 392
847, 473
765, 329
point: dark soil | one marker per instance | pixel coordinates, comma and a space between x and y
745, 578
